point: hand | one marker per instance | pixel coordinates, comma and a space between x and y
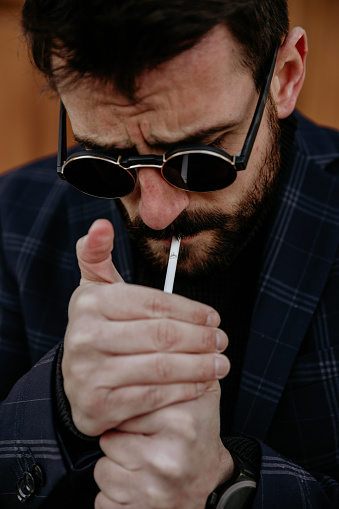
130, 350
169, 459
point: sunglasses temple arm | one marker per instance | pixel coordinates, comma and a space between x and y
242, 159
62, 141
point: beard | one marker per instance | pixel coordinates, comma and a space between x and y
222, 236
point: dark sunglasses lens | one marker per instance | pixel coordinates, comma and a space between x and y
199, 172
98, 177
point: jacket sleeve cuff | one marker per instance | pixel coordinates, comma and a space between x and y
248, 449
63, 409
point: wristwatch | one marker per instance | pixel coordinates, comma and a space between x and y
238, 492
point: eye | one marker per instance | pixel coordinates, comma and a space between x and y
219, 142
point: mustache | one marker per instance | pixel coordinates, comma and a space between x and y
186, 224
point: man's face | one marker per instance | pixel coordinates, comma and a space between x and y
204, 94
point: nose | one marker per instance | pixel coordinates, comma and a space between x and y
160, 203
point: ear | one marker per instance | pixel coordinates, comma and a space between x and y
290, 71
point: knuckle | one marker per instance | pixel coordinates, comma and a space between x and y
168, 467
156, 498
91, 404
160, 496
76, 340
208, 338
86, 426
153, 398
189, 391
124, 403
162, 368
119, 403
91, 415
184, 425
190, 433
83, 299
199, 315
165, 336
77, 367
158, 304
206, 367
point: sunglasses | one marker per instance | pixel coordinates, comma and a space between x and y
198, 168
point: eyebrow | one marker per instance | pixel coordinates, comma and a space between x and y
200, 137
93, 145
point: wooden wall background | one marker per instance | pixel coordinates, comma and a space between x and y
28, 117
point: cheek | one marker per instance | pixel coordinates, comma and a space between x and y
228, 199
247, 179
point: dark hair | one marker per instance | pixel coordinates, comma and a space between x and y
119, 39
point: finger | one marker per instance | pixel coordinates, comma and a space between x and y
94, 254
103, 502
164, 335
104, 410
129, 450
166, 418
116, 484
161, 368
133, 302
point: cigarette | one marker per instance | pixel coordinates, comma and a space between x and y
172, 264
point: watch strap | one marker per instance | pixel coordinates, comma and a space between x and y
237, 492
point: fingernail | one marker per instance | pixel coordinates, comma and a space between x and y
221, 340
221, 366
213, 319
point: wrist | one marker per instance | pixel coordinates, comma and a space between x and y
62, 407
239, 489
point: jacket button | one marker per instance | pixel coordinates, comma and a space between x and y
22, 492
20, 498
29, 482
38, 474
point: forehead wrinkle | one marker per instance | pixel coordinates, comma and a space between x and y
199, 137
146, 125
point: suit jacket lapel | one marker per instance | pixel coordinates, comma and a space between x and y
297, 260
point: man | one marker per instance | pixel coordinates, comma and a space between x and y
127, 393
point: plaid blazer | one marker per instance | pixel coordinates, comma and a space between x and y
289, 393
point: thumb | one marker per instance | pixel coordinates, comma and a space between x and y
94, 254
